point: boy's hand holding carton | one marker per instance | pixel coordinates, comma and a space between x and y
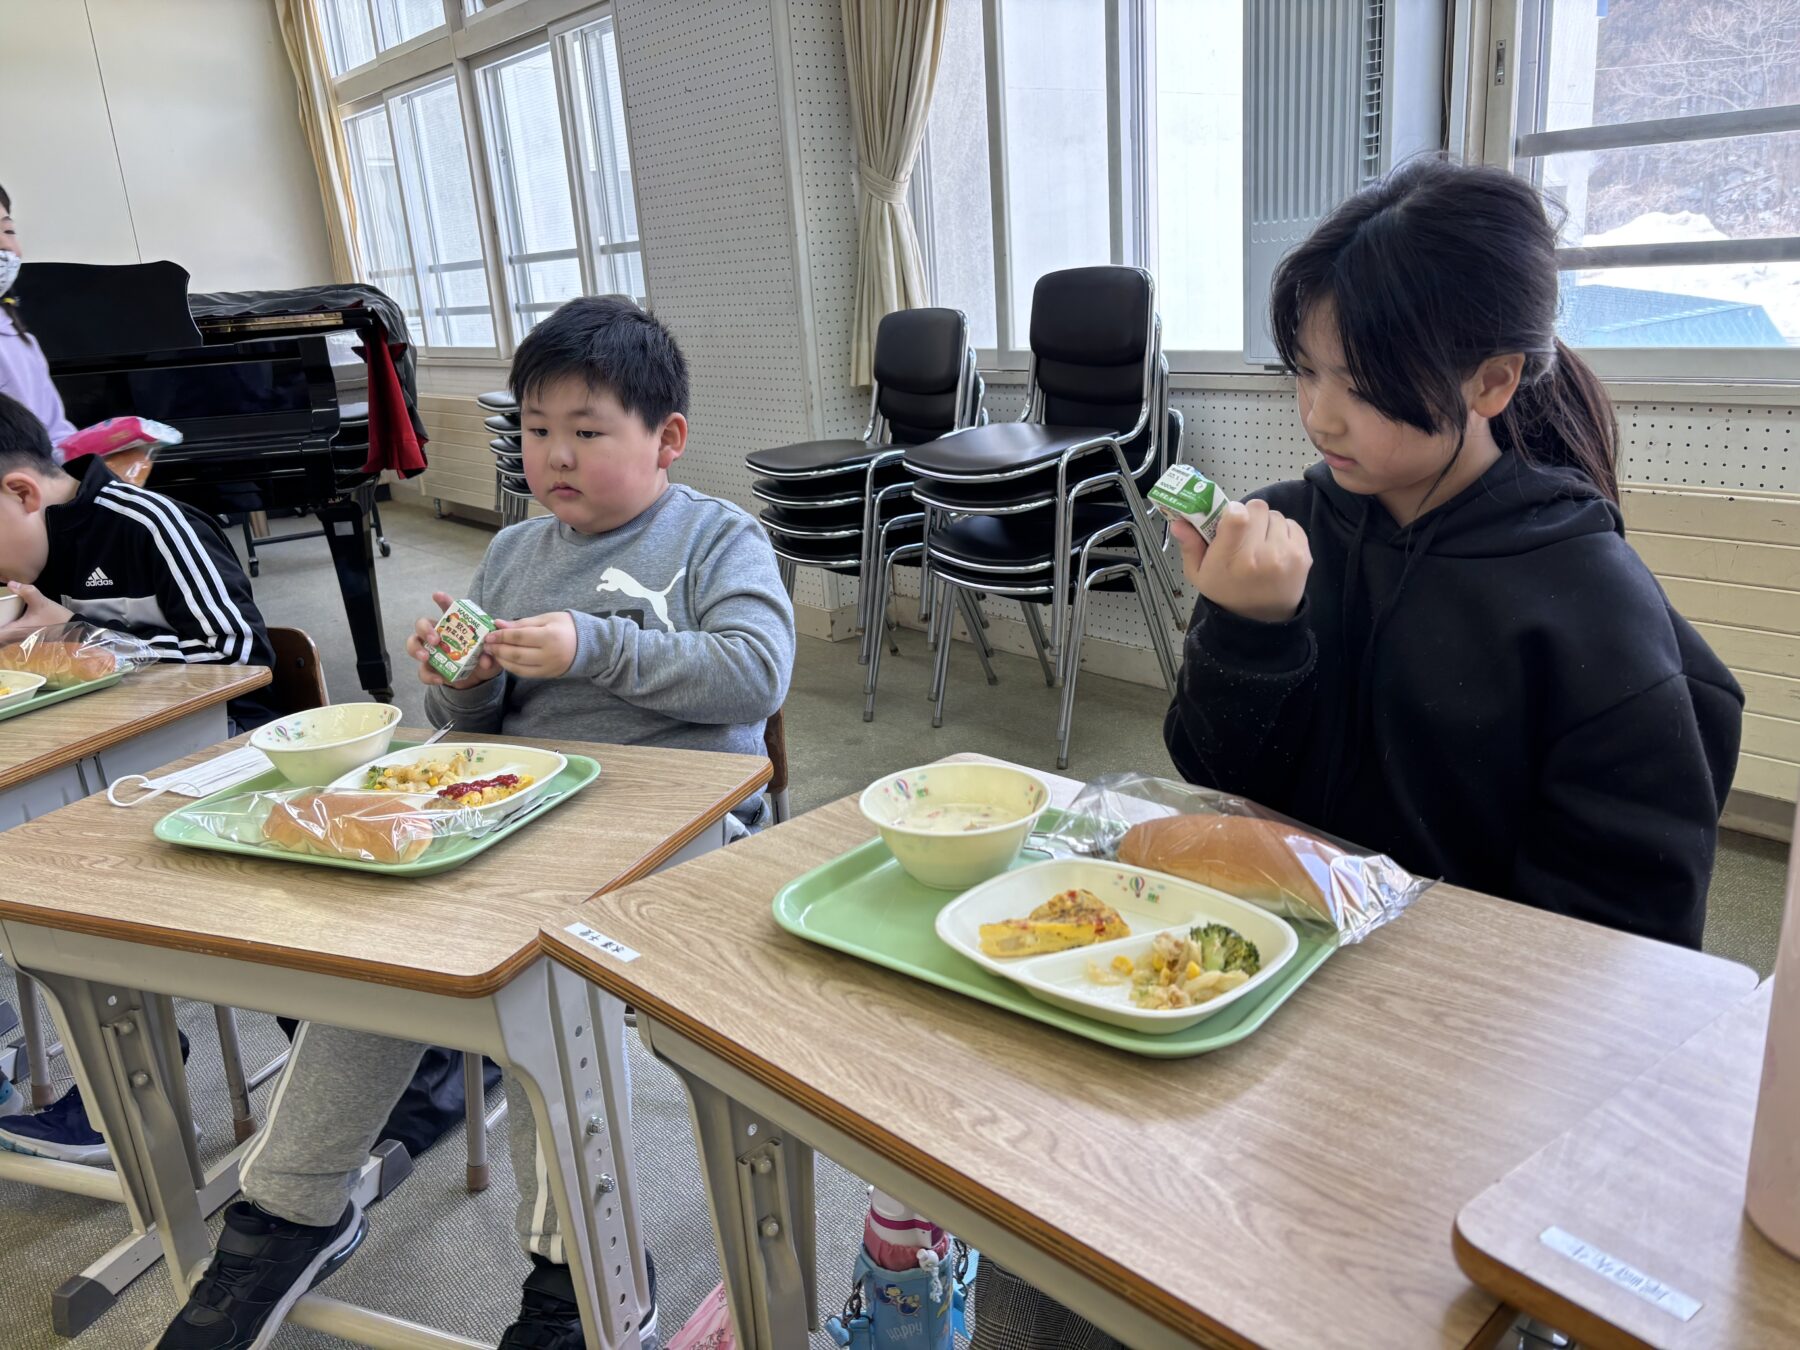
467, 646
452, 650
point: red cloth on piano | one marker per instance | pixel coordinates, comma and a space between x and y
392, 442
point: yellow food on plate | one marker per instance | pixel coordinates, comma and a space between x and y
1075, 918
1183, 970
422, 775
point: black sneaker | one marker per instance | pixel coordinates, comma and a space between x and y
261, 1268
550, 1319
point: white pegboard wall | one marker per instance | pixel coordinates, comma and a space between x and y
703, 107
1713, 445
828, 217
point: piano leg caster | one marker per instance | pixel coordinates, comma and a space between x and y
387, 549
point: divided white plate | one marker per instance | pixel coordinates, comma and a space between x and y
1151, 902
486, 761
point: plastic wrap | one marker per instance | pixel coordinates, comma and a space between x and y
129, 445
67, 654
382, 828
1238, 847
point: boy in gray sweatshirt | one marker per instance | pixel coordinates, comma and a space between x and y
638, 611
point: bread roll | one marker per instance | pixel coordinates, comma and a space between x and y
366, 826
1273, 864
62, 664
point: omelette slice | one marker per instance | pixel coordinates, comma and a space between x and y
1075, 918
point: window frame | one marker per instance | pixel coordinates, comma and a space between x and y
462, 47
1131, 181
1510, 66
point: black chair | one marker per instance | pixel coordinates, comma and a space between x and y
1093, 432
1018, 556
512, 494
845, 505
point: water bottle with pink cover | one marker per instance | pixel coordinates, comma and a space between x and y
909, 1285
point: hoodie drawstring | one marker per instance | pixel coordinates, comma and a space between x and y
1349, 747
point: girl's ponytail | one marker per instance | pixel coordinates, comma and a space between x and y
1564, 417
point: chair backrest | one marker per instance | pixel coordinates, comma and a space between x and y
1094, 347
921, 360
775, 747
299, 681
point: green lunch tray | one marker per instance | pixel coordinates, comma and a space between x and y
179, 827
862, 903
41, 699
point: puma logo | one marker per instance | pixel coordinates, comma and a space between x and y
621, 581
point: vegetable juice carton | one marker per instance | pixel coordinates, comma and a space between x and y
1185, 493
459, 634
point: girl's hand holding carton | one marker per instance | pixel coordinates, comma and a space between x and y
1255, 566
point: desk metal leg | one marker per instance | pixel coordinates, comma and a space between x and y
114, 1036
37, 1049
760, 1189
576, 1085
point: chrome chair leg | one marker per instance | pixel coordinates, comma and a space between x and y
977, 638
789, 574
1034, 625
1159, 635
1071, 668
883, 603
942, 678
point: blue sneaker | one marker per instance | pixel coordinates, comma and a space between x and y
12, 1101
60, 1131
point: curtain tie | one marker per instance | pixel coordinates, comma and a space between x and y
881, 187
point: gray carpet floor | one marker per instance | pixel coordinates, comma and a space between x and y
442, 1256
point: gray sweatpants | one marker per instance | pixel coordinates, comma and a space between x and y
329, 1107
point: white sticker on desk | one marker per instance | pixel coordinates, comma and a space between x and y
1671, 1301
611, 946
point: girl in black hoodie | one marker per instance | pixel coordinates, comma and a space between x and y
1439, 644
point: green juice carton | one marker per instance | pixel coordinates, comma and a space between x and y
1188, 494
459, 634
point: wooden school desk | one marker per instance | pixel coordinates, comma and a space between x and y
113, 922
151, 717
1654, 1179
1294, 1190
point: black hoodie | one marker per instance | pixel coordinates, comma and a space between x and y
1500, 696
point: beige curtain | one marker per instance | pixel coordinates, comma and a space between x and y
324, 129
892, 47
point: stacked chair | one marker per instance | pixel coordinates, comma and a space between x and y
845, 505
512, 496
1051, 508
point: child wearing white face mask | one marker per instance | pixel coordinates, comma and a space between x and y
24, 373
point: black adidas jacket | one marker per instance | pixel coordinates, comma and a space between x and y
1500, 696
138, 562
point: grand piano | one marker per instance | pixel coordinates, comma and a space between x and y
248, 380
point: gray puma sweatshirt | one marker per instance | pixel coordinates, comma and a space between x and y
686, 633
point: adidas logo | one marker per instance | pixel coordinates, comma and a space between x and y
97, 579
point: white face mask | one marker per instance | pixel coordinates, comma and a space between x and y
200, 780
10, 263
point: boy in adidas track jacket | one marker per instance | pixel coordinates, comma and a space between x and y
101, 551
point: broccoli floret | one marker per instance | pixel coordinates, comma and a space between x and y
1226, 949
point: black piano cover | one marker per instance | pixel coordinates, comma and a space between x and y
320, 300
